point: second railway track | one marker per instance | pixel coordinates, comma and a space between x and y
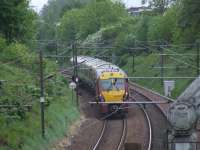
112, 135
157, 121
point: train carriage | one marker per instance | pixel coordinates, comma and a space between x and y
109, 81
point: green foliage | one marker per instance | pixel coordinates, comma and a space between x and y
159, 5
178, 23
79, 23
52, 13
18, 53
163, 27
188, 28
19, 73
142, 28
16, 20
2, 44
69, 25
145, 66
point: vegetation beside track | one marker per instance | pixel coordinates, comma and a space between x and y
145, 66
19, 75
91, 23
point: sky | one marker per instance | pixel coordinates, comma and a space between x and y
130, 3
38, 4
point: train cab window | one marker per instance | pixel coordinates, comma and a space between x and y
112, 84
105, 84
118, 83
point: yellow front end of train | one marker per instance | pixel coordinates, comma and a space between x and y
113, 90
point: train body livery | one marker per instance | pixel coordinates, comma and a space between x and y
109, 81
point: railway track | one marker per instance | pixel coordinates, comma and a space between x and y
66, 73
112, 135
113, 132
157, 121
109, 140
147, 117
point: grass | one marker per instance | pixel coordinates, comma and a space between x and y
21, 86
147, 65
59, 117
25, 134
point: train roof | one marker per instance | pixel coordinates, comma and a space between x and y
99, 65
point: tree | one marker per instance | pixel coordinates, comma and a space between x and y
52, 13
189, 20
16, 20
142, 28
79, 23
69, 27
159, 5
162, 27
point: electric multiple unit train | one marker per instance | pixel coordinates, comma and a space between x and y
108, 80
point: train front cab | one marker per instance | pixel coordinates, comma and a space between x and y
112, 88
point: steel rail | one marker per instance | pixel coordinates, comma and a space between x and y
122, 139
101, 135
132, 85
169, 100
149, 126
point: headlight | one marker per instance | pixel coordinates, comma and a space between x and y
125, 96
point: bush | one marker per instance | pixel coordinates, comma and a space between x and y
18, 54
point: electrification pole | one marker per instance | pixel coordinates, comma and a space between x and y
42, 100
75, 70
162, 65
198, 65
133, 57
56, 51
76, 75
133, 62
73, 56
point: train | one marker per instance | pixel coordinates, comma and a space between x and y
183, 116
109, 82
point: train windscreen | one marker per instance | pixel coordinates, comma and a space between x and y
112, 84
